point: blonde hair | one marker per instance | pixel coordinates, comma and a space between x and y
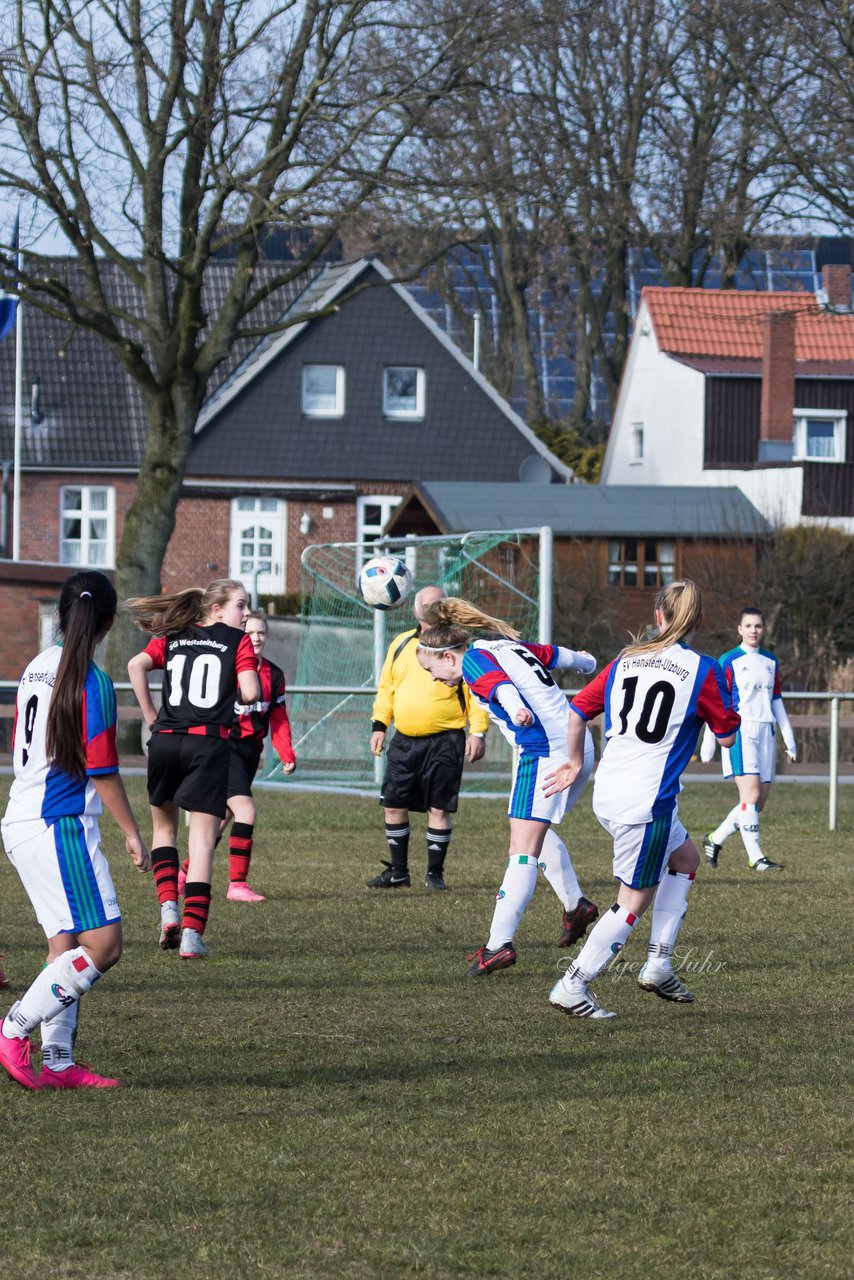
681, 608
448, 619
166, 614
259, 615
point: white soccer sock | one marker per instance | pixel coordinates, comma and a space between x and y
58, 1038
728, 827
605, 940
58, 986
556, 866
749, 826
668, 912
517, 889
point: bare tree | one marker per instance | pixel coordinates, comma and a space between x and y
714, 180
156, 137
808, 99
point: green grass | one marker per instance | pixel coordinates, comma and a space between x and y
328, 1096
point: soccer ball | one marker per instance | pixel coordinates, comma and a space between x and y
385, 582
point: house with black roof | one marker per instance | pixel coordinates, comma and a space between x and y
312, 434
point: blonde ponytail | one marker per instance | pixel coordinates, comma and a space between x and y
681, 607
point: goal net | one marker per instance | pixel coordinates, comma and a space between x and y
343, 642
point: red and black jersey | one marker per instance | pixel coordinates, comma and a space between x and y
252, 720
200, 667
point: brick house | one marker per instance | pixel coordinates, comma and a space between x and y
312, 434
613, 546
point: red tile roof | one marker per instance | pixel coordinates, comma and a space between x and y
728, 323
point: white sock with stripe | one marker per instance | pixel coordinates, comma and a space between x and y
748, 825
58, 1038
556, 866
604, 941
728, 827
668, 912
517, 889
59, 985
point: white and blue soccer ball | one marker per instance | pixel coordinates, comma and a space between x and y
385, 582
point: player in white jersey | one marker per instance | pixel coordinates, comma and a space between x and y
655, 696
65, 763
753, 677
511, 679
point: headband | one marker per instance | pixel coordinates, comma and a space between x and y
442, 648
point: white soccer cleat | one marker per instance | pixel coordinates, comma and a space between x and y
663, 982
579, 1002
192, 947
170, 926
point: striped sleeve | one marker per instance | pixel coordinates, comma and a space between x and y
483, 674
714, 703
99, 723
590, 702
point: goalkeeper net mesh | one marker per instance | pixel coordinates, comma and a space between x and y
343, 642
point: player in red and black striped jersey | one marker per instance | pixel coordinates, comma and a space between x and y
207, 662
248, 731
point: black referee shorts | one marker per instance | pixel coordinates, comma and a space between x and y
190, 770
244, 755
424, 773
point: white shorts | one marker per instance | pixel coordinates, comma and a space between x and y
641, 850
64, 872
752, 752
526, 790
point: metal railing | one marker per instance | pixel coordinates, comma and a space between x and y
833, 723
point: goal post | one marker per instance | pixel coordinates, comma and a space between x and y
343, 642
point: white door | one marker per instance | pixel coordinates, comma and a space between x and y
257, 554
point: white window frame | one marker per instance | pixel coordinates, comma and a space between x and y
340, 392
839, 418
406, 415
387, 503
637, 444
86, 513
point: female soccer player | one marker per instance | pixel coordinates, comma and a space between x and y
753, 677
250, 727
510, 678
66, 767
655, 696
206, 659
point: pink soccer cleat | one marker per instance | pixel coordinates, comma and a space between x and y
240, 891
15, 1059
182, 881
77, 1076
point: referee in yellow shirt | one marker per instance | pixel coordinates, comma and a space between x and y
425, 757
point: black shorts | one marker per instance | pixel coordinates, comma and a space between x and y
424, 773
244, 756
190, 770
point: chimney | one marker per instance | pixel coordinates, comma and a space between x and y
836, 286
776, 419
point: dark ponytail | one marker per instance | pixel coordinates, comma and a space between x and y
86, 610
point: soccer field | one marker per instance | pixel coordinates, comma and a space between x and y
327, 1095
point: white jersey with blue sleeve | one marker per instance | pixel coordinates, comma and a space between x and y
655, 704
506, 674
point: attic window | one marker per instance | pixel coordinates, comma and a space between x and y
323, 390
819, 435
403, 392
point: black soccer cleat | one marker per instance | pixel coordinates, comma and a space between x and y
391, 878
712, 852
765, 864
484, 961
574, 923
434, 879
